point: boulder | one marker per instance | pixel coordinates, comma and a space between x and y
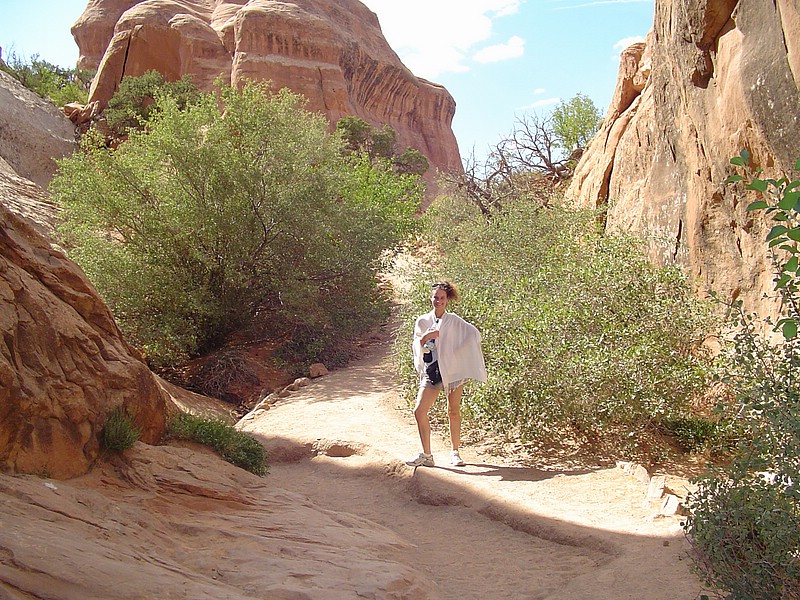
711, 78
33, 132
332, 52
64, 365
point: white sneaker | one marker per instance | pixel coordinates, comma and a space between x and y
423, 460
455, 459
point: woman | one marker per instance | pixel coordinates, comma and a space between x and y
447, 353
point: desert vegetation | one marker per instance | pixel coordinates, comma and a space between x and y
202, 215
223, 212
584, 339
236, 447
56, 84
744, 521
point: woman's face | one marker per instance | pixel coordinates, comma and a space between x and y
439, 299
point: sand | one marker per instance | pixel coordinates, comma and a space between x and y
496, 528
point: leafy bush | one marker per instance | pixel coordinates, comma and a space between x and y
236, 447
134, 103
744, 522
360, 138
229, 209
60, 86
696, 433
119, 432
580, 332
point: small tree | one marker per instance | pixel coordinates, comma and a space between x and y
411, 162
534, 158
575, 123
134, 103
380, 144
355, 132
235, 206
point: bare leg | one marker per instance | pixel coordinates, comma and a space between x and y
425, 399
454, 416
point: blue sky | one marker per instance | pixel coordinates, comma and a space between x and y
500, 59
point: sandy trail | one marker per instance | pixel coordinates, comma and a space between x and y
492, 529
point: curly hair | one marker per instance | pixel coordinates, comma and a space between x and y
450, 289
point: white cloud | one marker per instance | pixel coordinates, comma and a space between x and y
541, 103
539, 91
625, 42
436, 36
514, 48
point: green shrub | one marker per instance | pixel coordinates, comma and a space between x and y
696, 433
50, 81
580, 332
201, 225
134, 103
119, 432
234, 446
744, 522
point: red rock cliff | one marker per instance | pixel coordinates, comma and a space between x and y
63, 362
713, 77
332, 52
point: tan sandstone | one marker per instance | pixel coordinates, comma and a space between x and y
63, 362
33, 132
332, 52
712, 77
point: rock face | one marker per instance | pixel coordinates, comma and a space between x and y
33, 132
168, 522
712, 77
332, 52
63, 362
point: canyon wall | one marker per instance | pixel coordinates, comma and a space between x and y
332, 52
712, 77
64, 365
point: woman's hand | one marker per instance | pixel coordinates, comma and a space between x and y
431, 335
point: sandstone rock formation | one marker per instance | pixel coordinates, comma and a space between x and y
33, 132
170, 522
713, 77
332, 52
63, 362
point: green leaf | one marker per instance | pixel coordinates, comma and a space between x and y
791, 265
734, 179
797, 165
781, 281
794, 234
757, 205
742, 159
789, 200
776, 231
776, 241
789, 329
758, 185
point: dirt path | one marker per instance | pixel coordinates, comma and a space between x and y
492, 529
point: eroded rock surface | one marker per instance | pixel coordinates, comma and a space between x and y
713, 77
332, 52
63, 362
33, 132
168, 522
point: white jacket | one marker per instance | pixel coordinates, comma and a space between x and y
458, 348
